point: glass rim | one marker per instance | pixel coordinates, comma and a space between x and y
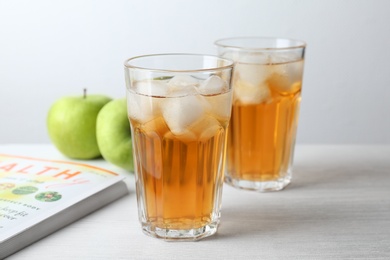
299, 43
230, 63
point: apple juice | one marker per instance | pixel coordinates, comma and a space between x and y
264, 123
179, 146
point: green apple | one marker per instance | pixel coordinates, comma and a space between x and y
114, 135
71, 124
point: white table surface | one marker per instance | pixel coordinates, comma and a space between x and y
337, 207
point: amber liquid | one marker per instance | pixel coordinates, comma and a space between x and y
262, 136
179, 176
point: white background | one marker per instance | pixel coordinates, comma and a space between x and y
50, 49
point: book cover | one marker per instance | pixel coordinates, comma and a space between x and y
39, 196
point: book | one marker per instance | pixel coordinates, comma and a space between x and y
38, 197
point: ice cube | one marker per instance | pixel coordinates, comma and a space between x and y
181, 81
145, 99
156, 126
253, 68
254, 74
278, 58
143, 108
248, 93
259, 58
202, 130
286, 77
207, 128
133, 108
185, 136
220, 105
182, 85
213, 85
180, 112
155, 88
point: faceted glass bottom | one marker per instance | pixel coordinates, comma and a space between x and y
181, 234
260, 186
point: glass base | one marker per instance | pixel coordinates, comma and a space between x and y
260, 186
180, 234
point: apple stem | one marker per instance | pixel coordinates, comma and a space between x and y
85, 93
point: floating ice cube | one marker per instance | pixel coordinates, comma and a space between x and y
248, 93
253, 68
185, 136
180, 81
278, 58
133, 108
207, 128
144, 102
220, 105
254, 74
202, 130
155, 88
154, 127
213, 85
182, 85
255, 58
142, 108
180, 112
286, 77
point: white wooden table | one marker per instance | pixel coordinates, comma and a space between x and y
337, 207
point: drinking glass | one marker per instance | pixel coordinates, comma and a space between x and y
267, 83
179, 106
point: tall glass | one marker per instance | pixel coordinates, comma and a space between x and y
179, 106
267, 83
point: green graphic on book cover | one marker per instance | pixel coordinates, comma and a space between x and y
30, 187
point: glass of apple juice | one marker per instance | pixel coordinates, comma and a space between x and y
267, 83
179, 107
